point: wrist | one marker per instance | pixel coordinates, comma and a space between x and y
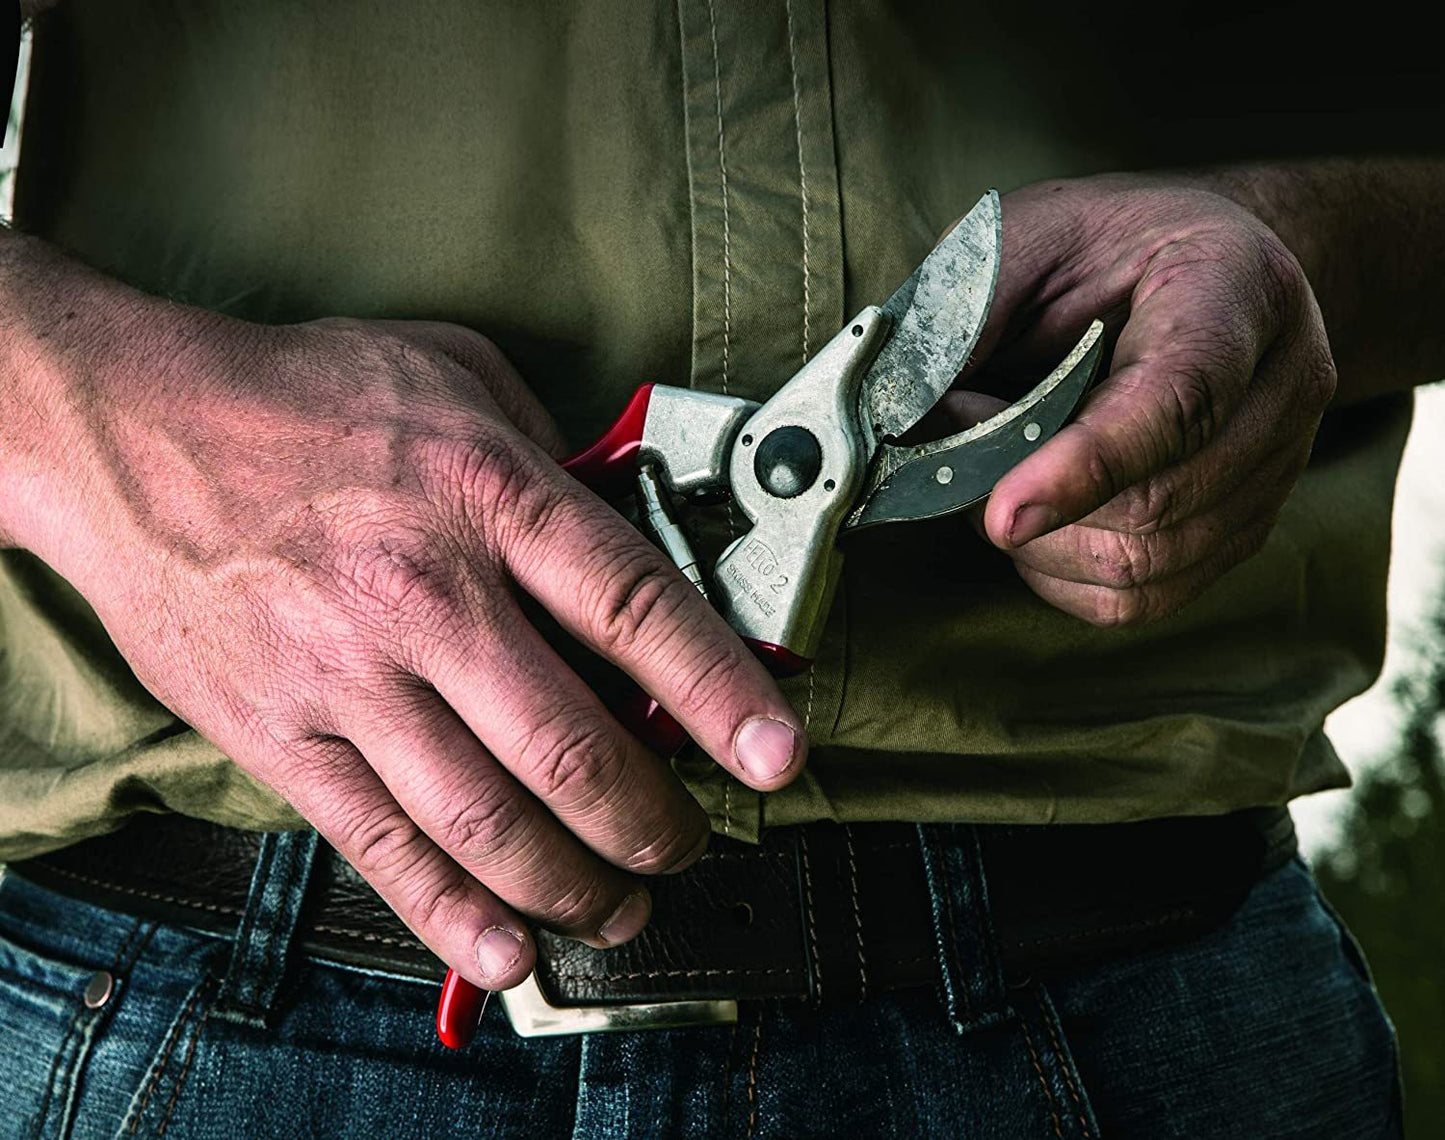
1370, 241
73, 349
1290, 200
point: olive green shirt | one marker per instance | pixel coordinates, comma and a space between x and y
697, 193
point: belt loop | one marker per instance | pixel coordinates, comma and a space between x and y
263, 936
973, 986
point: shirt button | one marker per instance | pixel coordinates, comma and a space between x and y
99, 989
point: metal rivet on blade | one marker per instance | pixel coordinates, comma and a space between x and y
1031, 432
98, 989
945, 475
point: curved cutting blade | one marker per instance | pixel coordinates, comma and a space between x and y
947, 475
936, 317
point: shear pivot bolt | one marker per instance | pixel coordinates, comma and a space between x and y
1031, 432
944, 475
787, 461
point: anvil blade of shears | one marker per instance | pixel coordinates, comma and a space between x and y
925, 481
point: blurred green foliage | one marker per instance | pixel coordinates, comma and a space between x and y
1386, 876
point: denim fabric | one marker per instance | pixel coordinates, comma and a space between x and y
1266, 1027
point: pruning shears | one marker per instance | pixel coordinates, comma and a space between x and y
815, 463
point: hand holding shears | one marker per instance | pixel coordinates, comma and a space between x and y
816, 462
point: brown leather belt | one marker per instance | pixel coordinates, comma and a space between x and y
820, 912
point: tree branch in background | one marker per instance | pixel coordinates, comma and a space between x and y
1386, 874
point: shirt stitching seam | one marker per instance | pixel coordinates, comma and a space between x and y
727, 225
807, 271
857, 916
802, 178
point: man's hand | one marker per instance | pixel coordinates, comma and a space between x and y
1181, 458
311, 541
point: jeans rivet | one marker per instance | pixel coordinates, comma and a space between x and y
99, 989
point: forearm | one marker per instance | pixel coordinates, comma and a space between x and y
39, 312
72, 341
1371, 237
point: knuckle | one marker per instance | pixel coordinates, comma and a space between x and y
634, 601
576, 768
445, 905
1144, 508
1190, 410
1104, 468
674, 852
490, 476
580, 907
1321, 379
396, 573
1282, 277
700, 673
1115, 609
464, 346
383, 844
1120, 561
491, 821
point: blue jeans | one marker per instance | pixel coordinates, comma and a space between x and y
1266, 1027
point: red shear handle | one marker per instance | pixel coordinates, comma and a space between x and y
459, 1011
610, 464
781, 662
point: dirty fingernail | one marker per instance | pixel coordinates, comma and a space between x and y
765, 748
1031, 521
498, 951
627, 920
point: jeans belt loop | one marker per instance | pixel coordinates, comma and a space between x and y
973, 982
262, 944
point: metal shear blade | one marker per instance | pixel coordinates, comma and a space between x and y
935, 318
947, 475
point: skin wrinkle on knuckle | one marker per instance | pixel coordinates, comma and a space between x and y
667, 854
1102, 468
582, 775
1123, 561
580, 908
632, 599
322, 759
1116, 609
1143, 508
451, 906
488, 485
1198, 256
483, 824
1191, 411
399, 576
698, 672
1321, 377
578, 769
1284, 288
384, 845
